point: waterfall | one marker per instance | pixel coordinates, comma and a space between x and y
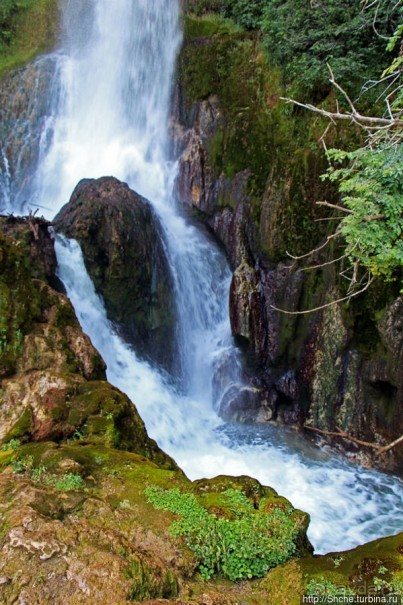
112, 101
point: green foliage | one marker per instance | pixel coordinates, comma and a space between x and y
9, 9
240, 548
13, 444
247, 13
324, 588
27, 27
372, 189
66, 482
22, 465
301, 37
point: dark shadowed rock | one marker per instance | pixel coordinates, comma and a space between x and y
124, 254
34, 235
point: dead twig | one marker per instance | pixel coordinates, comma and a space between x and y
389, 447
330, 304
329, 237
335, 206
343, 435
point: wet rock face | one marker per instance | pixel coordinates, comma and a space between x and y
246, 312
124, 254
25, 105
197, 183
339, 368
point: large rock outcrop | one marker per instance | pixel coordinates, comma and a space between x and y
53, 381
124, 253
253, 172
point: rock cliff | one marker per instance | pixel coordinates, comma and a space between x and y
252, 168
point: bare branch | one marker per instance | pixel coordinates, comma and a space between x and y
335, 206
389, 447
359, 119
329, 237
343, 92
328, 218
344, 435
330, 262
330, 304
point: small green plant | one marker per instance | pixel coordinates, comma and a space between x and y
38, 473
77, 435
67, 482
337, 561
63, 483
22, 465
324, 588
13, 444
241, 548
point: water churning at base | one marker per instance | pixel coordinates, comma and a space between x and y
110, 116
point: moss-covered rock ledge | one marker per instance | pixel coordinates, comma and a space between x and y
87, 499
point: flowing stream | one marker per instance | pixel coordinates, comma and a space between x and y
109, 116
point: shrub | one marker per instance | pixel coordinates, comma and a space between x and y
240, 548
13, 444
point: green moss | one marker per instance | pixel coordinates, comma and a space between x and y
32, 27
356, 571
206, 26
261, 135
22, 427
19, 303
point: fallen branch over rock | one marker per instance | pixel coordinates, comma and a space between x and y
339, 433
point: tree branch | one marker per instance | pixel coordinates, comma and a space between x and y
363, 121
389, 447
329, 237
333, 302
343, 435
335, 206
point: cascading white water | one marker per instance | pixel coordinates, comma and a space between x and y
116, 68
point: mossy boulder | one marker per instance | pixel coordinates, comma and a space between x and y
123, 250
372, 569
76, 519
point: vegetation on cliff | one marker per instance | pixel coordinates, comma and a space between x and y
301, 37
27, 28
76, 458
